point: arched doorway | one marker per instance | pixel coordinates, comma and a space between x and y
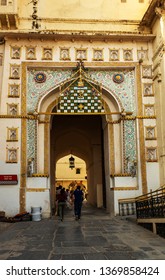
81, 116
83, 136
71, 175
67, 174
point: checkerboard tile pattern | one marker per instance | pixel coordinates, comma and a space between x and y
84, 99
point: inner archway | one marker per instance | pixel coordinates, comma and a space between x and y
71, 176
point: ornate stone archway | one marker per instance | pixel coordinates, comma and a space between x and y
43, 100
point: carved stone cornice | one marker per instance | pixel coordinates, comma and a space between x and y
155, 9
159, 52
73, 35
156, 66
158, 12
9, 19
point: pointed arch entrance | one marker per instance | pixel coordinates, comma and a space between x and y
84, 137
70, 173
79, 116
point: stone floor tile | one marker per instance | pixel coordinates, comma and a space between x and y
96, 236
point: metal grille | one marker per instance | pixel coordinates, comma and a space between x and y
151, 205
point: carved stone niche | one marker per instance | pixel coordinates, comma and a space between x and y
97, 54
64, 54
81, 54
113, 55
12, 134
15, 52
30, 53
147, 71
128, 54
149, 110
151, 154
150, 133
142, 54
11, 155
12, 109
47, 54
13, 90
148, 89
14, 71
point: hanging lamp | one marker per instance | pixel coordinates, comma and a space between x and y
71, 162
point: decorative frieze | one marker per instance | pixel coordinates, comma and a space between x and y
31, 139
129, 144
80, 53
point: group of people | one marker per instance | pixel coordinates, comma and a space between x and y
65, 198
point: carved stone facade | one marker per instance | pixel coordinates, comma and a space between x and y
101, 85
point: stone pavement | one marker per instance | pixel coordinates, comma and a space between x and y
96, 236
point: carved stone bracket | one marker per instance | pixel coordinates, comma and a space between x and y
158, 12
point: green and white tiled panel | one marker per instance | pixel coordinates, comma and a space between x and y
80, 107
79, 100
84, 88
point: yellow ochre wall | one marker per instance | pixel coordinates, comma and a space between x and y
84, 14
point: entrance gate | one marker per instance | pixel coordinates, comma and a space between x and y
80, 108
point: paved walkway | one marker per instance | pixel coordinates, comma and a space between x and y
95, 237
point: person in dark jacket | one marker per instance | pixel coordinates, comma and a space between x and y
61, 203
78, 199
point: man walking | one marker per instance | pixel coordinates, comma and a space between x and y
61, 203
78, 199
